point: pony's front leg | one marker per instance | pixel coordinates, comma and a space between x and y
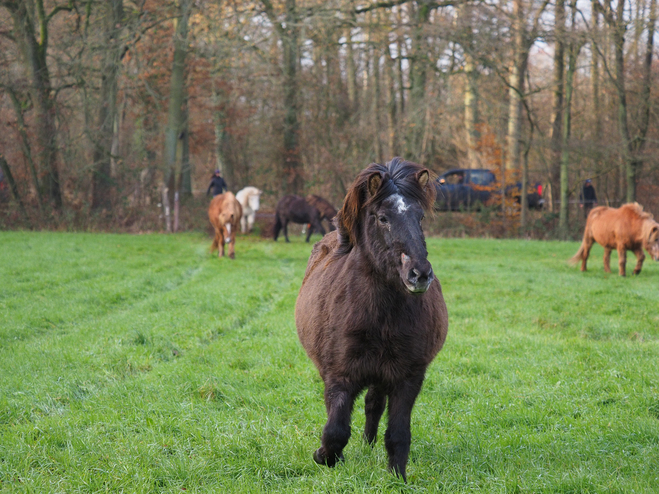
640, 257
607, 260
398, 437
336, 433
286, 230
250, 222
243, 224
232, 245
622, 261
375, 402
220, 247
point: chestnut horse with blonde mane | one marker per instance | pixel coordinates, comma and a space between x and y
370, 313
224, 214
625, 228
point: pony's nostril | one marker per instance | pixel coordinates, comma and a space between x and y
413, 275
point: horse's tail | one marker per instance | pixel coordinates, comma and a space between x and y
276, 228
579, 256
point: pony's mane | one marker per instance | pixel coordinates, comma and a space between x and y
638, 209
397, 177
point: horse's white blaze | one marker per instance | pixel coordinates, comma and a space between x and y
400, 203
228, 227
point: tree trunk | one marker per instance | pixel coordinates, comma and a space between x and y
43, 98
25, 144
294, 182
516, 87
175, 115
418, 79
390, 95
471, 117
4, 166
557, 100
102, 182
377, 144
573, 55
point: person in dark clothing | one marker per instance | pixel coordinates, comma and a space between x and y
217, 184
587, 198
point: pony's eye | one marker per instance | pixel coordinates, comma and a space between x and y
423, 217
383, 220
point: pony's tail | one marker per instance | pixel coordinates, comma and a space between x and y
276, 228
574, 260
579, 256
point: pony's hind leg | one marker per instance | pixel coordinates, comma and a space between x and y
587, 245
336, 433
640, 257
398, 437
375, 402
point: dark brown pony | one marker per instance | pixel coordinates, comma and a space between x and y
370, 313
625, 228
224, 214
295, 209
327, 211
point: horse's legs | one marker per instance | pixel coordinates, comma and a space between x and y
220, 248
232, 244
250, 222
375, 400
640, 257
339, 399
243, 224
286, 230
215, 242
398, 436
622, 260
587, 245
607, 260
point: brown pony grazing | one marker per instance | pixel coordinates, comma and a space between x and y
623, 229
370, 313
295, 209
327, 211
224, 213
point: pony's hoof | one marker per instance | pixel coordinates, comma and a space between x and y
322, 459
232, 256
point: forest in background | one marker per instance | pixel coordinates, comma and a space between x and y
110, 108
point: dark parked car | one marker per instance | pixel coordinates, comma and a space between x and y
469, 189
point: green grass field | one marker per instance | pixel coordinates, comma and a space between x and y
143, 364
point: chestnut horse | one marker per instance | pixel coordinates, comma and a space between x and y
370, 312
295, 209
224, 214
623, 229
326, 210
250, 199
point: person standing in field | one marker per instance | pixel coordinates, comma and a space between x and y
217, 184
587, 198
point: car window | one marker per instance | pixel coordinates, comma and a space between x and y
481, 177
454, 178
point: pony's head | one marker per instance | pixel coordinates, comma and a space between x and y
382, 215
651, 238
254, 199
228, 215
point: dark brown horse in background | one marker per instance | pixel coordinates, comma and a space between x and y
625, 228
327, 211
295, 209
370, 313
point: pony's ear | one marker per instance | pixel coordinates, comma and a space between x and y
374, 182
422, 177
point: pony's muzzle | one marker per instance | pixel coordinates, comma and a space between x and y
418, 276
418, 281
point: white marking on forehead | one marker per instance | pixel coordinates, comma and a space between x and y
400, 203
